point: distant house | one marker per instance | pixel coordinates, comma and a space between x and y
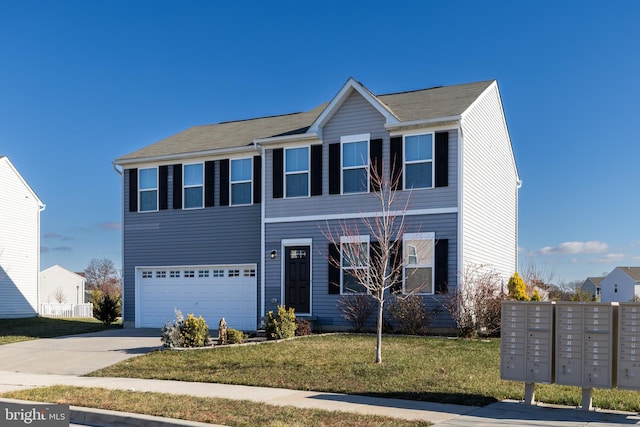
20, 210
227, 219
592, 286
60, 286
622, 284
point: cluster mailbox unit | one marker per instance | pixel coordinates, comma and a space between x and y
589, 345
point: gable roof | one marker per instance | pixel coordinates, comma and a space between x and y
424, 104
595, 280
5, 159
633, 272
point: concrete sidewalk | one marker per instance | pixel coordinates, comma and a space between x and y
507, 413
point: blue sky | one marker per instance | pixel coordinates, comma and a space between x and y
84, 82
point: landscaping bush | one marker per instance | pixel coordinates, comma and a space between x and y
281, 325
517, 288
303, 327
171, 332
235, 336
107, 309
410, 311
194, 332
356, 309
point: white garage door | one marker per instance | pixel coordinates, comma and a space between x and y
212, 292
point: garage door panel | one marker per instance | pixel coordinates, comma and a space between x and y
210, 293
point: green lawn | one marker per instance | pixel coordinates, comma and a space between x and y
420, 368
15, 330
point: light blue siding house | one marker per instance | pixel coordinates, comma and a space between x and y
229, 220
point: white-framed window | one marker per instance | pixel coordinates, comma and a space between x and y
193, 186
217, 273
418, 161
147, 274
189, 273
234, 273
355, 163
161, 274
419, 253
250, 272
148, 189
241, 181
203, 273
296, 172
174, 274
354, 263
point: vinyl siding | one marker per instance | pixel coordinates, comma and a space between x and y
357, 116
625, 284
489, 188
324, 305
208, 236
19, 245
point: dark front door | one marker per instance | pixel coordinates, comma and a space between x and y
297, 284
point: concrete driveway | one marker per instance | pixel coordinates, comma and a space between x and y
78, 354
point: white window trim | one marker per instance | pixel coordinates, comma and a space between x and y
231, 182
419, 236
156, 189
184, 186
308, 172
346, 139
405, 162
353, 239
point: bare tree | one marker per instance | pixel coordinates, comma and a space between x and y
59, 295
102, 275
370, 266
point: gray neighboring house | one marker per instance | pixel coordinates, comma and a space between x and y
592, 286
227, 220
621, 285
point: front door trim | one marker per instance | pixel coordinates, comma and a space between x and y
296, 242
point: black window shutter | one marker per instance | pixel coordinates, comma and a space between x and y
316, 170
224, 182
396, 162
375, 162
442, 263
209, 183
334, 270
257, 179
163, 186
277, 172
334, 168
396, 260
177, 186
133, 190
442, 159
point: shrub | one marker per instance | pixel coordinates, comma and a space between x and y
194, 332
535, 296
356, 309
107, 309
303, 327
410, 313
517, 288
235, 336
281, 325
171, 332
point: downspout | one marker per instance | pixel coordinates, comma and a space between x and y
263, 244
121, 173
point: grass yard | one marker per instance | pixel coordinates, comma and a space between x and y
419, 368
30, 328
206, 410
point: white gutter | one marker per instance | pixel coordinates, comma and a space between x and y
287, 138
189, 155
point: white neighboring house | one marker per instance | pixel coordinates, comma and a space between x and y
621, 285
60, 286
20, 210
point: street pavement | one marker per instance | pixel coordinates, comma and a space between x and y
64, 361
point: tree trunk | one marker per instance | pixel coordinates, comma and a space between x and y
379, 338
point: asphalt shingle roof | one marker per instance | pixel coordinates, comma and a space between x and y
633, 272
406, 106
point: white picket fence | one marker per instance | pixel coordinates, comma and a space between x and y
66, 310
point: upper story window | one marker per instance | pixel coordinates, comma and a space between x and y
241, 176
148, 189
193, 186
418, 161
354, 262
418, 262
297, 172
355, 163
